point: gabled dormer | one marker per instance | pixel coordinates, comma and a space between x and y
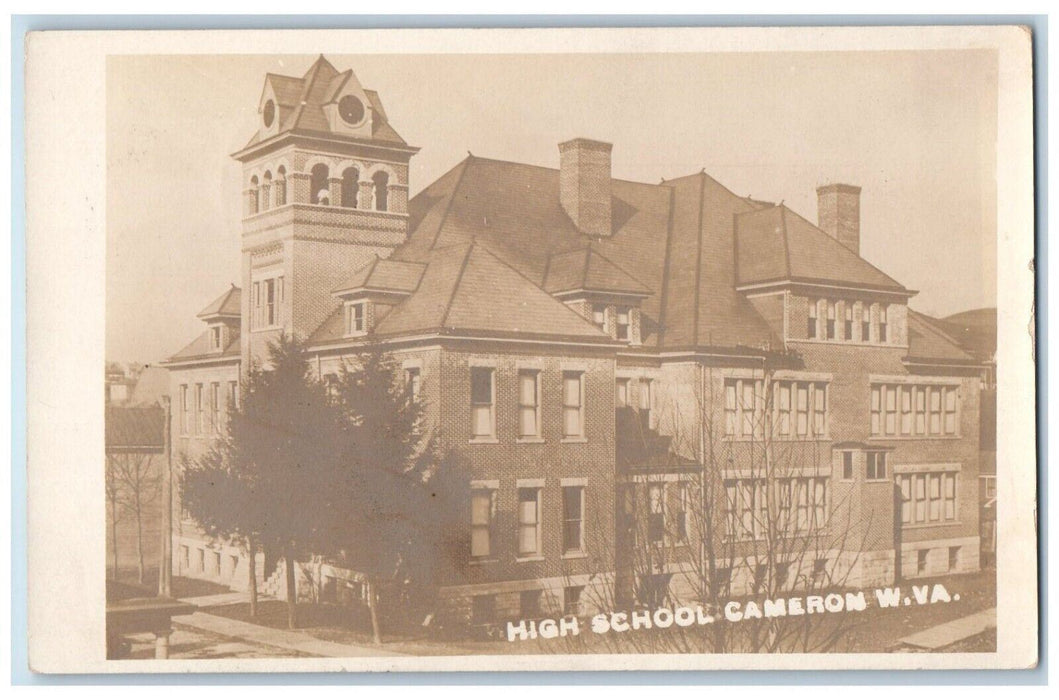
348, 108
599, 290
223, 317
373, 290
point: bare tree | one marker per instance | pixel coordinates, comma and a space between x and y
114, 509
137, 483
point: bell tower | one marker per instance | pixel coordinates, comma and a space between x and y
325, 191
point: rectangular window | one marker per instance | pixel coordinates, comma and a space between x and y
200, 560
882, 323
876, 466
483, 514
950, 495
622, 323
645, 400
865, 324
200, 409
934, 481
927, 497
847, 332
744, 407
412, 382
810, 330
876, 410
954, 558
803, 410
730, 410
483, 417
233, 394
572, 600
656, 523
746, 507
950, 410
935, 410
891, 410
921, 410
529, 408
573, 518
215, 405
847, 466
830, 320
599, 317
621, 392
784, 419
820, 409
919, 492
905, 483
573, 405
529, 522
184, 409
921, 561
185, 559
906, 410
355, 318
215, 338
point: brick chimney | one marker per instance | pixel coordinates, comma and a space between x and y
584, 184
838, 213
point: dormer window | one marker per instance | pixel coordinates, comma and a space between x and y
599, 316
356, 318
830, 320
882, 323
216, 337
810, 330
848, 330
622, 323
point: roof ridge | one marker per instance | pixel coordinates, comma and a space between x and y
698, 254
457, 281
452, 196
928, 321
621, 269
786, 242
663, 301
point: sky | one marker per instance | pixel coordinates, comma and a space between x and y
915, 129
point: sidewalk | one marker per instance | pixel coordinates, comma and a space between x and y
951, 632
292, 640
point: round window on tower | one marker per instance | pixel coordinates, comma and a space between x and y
269, 113
351, 110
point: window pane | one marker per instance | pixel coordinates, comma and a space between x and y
481, 385
622, 392
481, 506
482, 420
572, 390
479, 542
527, 421
527, 384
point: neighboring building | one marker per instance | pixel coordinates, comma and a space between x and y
527, 303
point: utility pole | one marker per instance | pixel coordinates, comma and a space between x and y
165, 566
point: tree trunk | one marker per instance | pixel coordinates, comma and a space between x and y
373, 600
292, 594
253, 576
139, 543
114, 538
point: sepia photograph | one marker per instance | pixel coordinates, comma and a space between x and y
524, 353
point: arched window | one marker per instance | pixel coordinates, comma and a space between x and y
319, 188
381, 180
350, 186
266, 191
254, 194
280, 186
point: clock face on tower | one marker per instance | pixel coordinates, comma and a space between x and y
269, 113
351, 110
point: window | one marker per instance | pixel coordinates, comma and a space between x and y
746, 507
355, 318
914, 410
215, 403
783, 422
412, 382
200, 560
622, 323
529, 408
483, 609
184, 409
819, 409
233, 394
830, 320
876, 466
621, 392
802, 411
744, 407
267, 297
921, 561
483, 515
483, 423
529, 522
573, 518
573, 405
215, 337
319, 187
572, 600
599, 316
882, 323
233, 564
645, 399
350, 188
656, 521
847, 466
865, 323
954, 558
927, 497
215, 563
810, 330
200, 409
530, 604
847, 331
185, 558
382, 181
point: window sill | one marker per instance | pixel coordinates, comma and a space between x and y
483, 561
878, 481
265, 329
779, 438
925, 526
537, 557
890, 438
575, 555
573, 440
484, 441
529, 440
